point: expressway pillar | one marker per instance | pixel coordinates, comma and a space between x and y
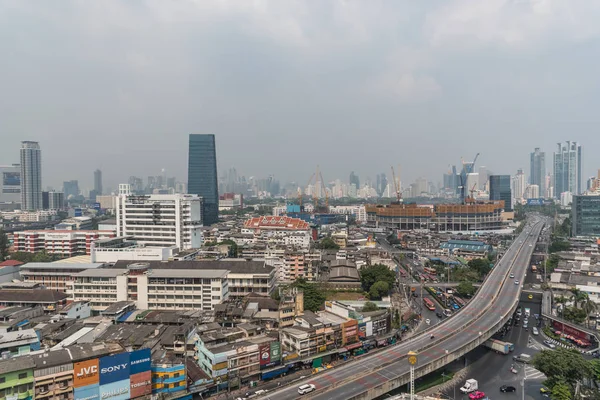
412, 361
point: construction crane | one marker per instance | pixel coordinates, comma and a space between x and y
317, 179
301, 191
324, 190
397, 185
467, 168
473, 193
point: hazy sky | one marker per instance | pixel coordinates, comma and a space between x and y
286, 85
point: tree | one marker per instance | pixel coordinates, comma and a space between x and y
578, 297
376, 272
558, 245
370, 306
588, 306
562, 365
3, 245
481, 265
21, 256
465, 289
314, 297
561, 391
327, 244
41, 256
379, 289
574, 314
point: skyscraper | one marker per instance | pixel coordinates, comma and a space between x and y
31, 176
500, 190
354, 180
567, 168
202, 175
537, 170
98, 182
518, 186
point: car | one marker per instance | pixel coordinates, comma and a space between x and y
516, 282
439, 314
304, 389
507, 389
535, 331
428, 321
530, 297
549, 344
260, 392
544, 390
476, 395
512, 275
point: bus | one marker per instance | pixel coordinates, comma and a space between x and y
430, 270
429, 304
459, 301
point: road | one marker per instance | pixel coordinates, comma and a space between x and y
497, 295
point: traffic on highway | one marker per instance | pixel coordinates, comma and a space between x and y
442, 343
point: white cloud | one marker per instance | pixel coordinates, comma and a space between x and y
512, 23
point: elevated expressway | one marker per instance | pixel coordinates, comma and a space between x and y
374, 375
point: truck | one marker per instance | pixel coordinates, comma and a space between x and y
499, 346
533, 268
470, 385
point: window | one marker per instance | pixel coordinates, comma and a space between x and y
23, 375
2, 380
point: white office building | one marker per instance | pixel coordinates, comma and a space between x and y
161, 220
160, 289
31, 176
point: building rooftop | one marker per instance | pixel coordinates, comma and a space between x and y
272, 222
83, 259
101, 273
234, 267
467, 245
16, 364
60, 264
32, 296
10, 263
186, 273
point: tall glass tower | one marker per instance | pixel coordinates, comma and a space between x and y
31, 176
567, 168
202, 175
500, 190
537, 171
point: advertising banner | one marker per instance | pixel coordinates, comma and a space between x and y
11, 179
139, 361
115, 391
90, 392
275, 351
535, 202
86, 373
265, 354
141, 384
114, 368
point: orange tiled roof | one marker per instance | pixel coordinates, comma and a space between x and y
284, 223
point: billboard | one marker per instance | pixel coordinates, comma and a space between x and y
264, 352
535, 202
85, 373
77, 212
139, 361
118, 390
11, 179
140, 384
275, 352
114, 369
90, 392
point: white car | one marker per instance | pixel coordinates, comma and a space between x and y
549, 344
259, 392
306, 388
428, 321
512, 275
535, 331
516, 282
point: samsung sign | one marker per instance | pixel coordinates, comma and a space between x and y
114, 368
139, 361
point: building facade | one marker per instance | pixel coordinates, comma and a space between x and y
54, 276
162, 220
500, 190
202, 174
537, 170
567, 168
53, 200
31, 176
10, 185
585, 216
98, 182
66, 243
161, 289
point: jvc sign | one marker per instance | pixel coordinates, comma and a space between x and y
114, 368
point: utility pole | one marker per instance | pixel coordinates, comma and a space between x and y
412, 361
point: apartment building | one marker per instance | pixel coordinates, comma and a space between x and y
243, 276
149, 288
54, 276
65, 243
279, 230
123, 248
160, 219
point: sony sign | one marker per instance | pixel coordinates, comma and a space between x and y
113, 368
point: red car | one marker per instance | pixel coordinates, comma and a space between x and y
476, 395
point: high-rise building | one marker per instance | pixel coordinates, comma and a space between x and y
585, 216
482, 183
161, 220
98, 182
71, 188
10, 183
500, 190
202, 174
518, 186
537, 170
31, 176
52, 200
354, 180
567, 168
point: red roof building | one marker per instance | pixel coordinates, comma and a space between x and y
277, 223
10, 263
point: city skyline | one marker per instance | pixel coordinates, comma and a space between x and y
381, 87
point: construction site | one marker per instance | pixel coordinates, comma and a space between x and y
468, 215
